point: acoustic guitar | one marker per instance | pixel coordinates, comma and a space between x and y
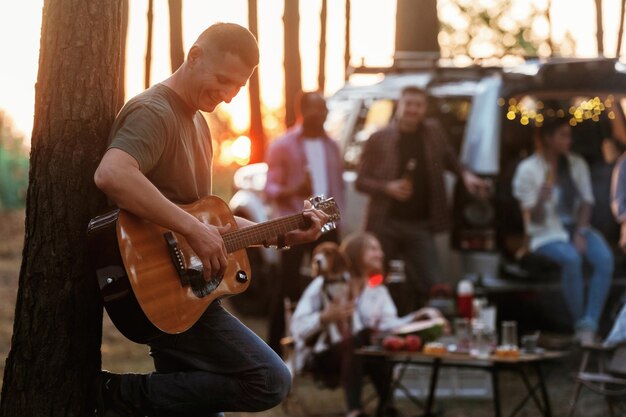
153, 283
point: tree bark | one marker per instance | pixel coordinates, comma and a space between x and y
55, 350
148, 62
417, 27
620, 31
293, 67
346, 53
177, 53
256, 131
121, 86
321, 72
599, 28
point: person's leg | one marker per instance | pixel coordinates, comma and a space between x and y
572, 283
287, 285
390, 243
352, 380
601, 259
218, 365
376, 368
423, 268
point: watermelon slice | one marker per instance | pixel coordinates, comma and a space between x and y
427, 330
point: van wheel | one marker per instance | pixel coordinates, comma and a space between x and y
255, 301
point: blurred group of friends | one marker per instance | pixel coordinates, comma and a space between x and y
159, 157
402, 170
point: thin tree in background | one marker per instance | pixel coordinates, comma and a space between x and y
121, 86
620, 31
550, 26
346, 53
599, 29
256, 132
293, 67
417, 26
321, 74
177, 54
148, 62
57, 332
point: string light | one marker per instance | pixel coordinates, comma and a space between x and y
528, 109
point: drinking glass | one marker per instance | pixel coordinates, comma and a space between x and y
482, 340
509, 334
462, 332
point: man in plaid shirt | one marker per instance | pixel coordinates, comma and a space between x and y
402, 169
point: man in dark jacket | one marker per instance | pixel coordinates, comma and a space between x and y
402, 169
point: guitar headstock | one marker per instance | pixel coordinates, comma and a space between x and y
330, 208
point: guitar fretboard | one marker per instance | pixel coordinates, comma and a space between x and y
259, 233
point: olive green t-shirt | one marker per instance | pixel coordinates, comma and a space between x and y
171, 143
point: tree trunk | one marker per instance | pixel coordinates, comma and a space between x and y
121, 86
321, 73
148, 64
177, 54
620, 31
550, 27
55, 349
417, 28
256, 132
293, 68
346, 53
599, 28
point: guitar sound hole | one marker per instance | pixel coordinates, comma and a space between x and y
202, 288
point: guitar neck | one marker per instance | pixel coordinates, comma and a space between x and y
259, 233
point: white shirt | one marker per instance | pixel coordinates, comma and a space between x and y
374, 309
316, 156
529, 177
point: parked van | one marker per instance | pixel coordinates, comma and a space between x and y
488, 115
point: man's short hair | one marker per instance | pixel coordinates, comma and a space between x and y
304, 98
412, 89
233, 38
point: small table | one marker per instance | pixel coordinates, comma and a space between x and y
492, 364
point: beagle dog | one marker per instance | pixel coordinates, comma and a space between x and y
328, 262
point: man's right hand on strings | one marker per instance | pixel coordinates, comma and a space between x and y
207, 243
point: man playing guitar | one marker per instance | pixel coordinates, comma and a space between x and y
159, 157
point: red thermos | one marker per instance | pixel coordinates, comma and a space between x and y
465, 298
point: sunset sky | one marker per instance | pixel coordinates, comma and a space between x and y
20, 24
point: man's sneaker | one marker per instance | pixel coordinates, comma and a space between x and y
109, 401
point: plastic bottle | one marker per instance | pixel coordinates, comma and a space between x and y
465, 298
395, 282
396, 271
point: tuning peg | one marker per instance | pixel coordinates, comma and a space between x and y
328, 227
316, 200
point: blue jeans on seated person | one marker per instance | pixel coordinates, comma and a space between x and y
218, 365
586, 314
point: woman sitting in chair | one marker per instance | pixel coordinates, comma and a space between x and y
553, 187
337, 313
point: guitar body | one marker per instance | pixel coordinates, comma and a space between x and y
140, 284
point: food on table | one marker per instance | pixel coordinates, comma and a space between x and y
393, 342
435, 348
507, 352
412, 343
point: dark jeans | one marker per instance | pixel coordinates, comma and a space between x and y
290, 284
355, 367
414, 243
219, 365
